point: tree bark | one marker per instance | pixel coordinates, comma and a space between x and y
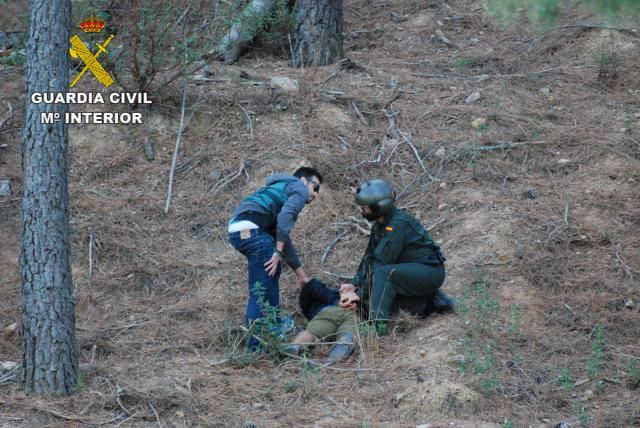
318, 32
48, 320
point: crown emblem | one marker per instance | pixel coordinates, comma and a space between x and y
92, 25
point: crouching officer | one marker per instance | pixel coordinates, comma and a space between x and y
402, 267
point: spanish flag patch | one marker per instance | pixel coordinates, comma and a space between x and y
388, 228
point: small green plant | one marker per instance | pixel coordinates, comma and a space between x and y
80, 381
628, 117
594, 363
516, 318
564, 378
507, 424
481, 311
291, 386
17, 57
535, 134
462, 62
484, 127
267, 329
479, 304
469, 356
583, 415
373, 329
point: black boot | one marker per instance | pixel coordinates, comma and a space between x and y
342, 349
292, 349
440, 303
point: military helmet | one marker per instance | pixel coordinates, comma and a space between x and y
378, 195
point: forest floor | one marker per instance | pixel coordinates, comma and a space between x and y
532, 188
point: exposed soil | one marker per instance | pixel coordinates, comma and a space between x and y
540, 205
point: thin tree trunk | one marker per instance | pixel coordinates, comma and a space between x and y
48, 319
318, 32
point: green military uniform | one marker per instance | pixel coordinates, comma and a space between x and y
402, 266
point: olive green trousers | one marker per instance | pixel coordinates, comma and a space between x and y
402, 286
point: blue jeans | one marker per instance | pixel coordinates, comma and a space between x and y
258, 248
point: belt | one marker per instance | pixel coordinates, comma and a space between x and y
237, 226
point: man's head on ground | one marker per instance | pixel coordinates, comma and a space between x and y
376, 199
311, 178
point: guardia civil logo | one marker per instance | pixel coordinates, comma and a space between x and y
79, 50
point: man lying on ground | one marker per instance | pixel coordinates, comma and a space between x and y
331, 314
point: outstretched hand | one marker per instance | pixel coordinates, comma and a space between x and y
271, 266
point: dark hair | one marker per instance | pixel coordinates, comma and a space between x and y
308, 173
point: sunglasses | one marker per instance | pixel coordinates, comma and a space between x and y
316, 186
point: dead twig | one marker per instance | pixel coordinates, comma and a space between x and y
9, 116
505, 146
362, 118
375, 160
406, 139
72, 417
338, 275
629, 271
437, 222
156, 415
342, 66
175, 151
330, 246
229, 178
352, 221
248, 114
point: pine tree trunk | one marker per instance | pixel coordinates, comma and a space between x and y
48, 320
318, 32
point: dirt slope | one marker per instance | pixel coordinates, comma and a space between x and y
536, 208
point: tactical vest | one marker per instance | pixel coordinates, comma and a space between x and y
271, 197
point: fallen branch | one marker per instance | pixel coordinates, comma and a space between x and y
248, 115
626, 267
156, 415
505, 146
392, 126
376, 160
338, 275
352, 221
229, 178
437, 222
343, 65
330, 246
362, 118
175, 152
72, 417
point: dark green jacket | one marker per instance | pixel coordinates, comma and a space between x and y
399, 239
